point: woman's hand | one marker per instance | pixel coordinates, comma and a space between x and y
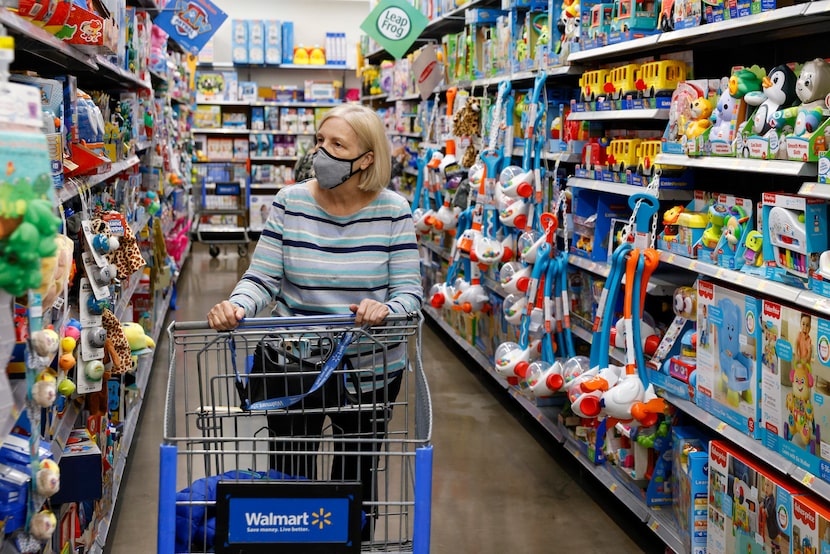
225, 316
369, 312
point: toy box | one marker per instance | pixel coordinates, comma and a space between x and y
90, 32
683, 226
750, 507
605, 208
256, 41
729, 219
81, 469
811, 526
288, 42
728, 356
794, 236
796, 386
674, 362
729, 111
690, 484
273, 42
239, 41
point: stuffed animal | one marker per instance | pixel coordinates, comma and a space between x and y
701, 111
778, 92
136, 336
55, 271
726, 112
45, 389
812, 86
799, 424
43, 525
48, 478
736, 367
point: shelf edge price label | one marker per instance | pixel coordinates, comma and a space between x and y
612, 487
721, 427
808, 479
654, 525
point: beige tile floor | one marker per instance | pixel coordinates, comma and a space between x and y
500, 484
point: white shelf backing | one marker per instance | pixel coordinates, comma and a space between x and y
775, 167
624, 189
615, 115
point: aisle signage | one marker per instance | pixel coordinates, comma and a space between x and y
395, 25
191, 23
427, 70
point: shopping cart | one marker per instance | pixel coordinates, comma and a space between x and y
274, 440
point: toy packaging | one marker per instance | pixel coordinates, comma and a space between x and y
256, 41
796, 386
795, 235
683, 226
239, 41
750, 507
690, 486
811, 526
730, 218
728, 352
273, 42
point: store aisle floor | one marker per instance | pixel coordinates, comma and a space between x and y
500, 485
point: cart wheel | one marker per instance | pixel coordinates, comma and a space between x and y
214, 250
242, 251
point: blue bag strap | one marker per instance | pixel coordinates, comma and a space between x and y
332, 363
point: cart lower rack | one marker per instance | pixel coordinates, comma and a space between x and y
301, 434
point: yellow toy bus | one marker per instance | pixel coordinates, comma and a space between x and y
660, 77
592, 84
647, 152
622, 154
622, 80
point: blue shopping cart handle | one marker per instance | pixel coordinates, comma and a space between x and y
290, 321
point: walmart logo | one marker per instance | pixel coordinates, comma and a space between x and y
320, 518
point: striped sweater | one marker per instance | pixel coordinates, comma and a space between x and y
313, 263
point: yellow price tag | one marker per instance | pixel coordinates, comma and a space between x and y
670, 259
721, 427
692, 265
654, 525
808, 479
613, 487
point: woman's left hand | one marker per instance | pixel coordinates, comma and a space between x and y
369, 312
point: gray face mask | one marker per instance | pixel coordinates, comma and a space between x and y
331, 171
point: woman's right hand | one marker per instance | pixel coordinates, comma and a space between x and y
225, 316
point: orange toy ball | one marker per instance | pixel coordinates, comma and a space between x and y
66, 361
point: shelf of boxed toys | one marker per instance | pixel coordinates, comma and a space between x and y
245, 131
754, 447
33, 40
618, 115
624, 189
775, 167
792, 17
659, 521
764, 22
273, 158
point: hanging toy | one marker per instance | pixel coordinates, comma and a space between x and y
48, 478
45, 343
43, 525
45, 389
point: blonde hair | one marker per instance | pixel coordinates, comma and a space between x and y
371, 135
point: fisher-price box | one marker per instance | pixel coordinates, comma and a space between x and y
690, 484
683, 226
796, 386
728, 352
750, 507
811, 526
730, 218
795, 235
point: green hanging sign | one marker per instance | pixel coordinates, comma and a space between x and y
395, 25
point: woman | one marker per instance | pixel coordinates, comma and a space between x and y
337, 243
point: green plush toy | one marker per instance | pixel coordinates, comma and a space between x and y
136, 336
28, 227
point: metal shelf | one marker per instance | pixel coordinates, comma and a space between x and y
127, 295
564, 157
616, 115
273, 158
626, 190
628, 47
656, 286
776, 167
815, 190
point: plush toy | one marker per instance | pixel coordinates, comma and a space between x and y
42, 525
121, 353
799, 424
701, 111
467, 120
811, 87
45, 389
136, 336
55, 271
48, 478
778, 92
45, 343
726, 112
736, 367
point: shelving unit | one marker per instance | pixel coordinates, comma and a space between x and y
37, 50
618, 115
774, 167
659, 521
624, 189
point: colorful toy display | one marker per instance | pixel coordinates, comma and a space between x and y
728, 356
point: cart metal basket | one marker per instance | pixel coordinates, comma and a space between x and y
287, 435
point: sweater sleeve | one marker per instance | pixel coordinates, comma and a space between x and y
406, 293
262, 281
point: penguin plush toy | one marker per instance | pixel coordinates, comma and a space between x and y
778, 93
